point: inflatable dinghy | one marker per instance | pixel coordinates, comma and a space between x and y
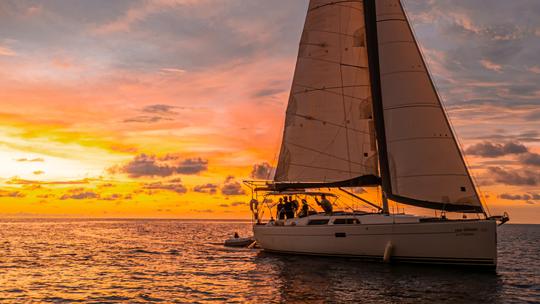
239, 242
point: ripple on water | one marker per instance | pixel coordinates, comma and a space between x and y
184, 261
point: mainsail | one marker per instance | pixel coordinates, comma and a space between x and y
362, 101
329, 133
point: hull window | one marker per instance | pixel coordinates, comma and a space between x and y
318, 222
346, 221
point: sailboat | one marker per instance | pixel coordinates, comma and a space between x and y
364, 112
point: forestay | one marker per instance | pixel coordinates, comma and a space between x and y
329, 134
426, 166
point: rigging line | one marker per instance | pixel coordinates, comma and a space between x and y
333, 62
354, 99
323, 168
332, 88
413, 105
311, 118
327, 154
332, 142
330, 32
346, 120
326, 90
418, 138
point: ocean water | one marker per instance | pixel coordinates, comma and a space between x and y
140, 261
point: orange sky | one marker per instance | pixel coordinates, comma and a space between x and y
161, 108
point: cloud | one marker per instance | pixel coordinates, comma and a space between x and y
488, 149
236, 204
207, 188
147, 119
18, 181
12, 194
106, 185
203, 211
491, 65
139, 13
174, 185
192, 166
521, 177
530, 159
262, 171
151, 165
5, 51
173, 71
38, 172
33, 160
115, 196
232, 187
160, 109
79, 194
159, 113
521, 197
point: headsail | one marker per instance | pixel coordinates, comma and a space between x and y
425, 165
329, 134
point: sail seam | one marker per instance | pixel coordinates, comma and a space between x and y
324, 153
395, 42
390, 19
326, 90
415, 105
323, 168
333, 62
421, 175
329, 122
344, 106
404, 72
329, 32
418, 138
335, 3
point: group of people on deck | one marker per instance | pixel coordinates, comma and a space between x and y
288, 208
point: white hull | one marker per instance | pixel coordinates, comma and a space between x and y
471, 242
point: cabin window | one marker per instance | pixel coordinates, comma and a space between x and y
318, 222
346, 221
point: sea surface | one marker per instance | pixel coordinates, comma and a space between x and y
141, 261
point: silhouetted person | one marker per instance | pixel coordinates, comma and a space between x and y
288, 208
280, 213
325, 204
294, 204
304, 211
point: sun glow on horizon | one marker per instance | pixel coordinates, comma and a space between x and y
162, 115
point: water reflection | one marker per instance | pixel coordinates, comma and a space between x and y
329, 280
185, 261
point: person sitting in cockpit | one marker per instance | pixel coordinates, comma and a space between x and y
325, 204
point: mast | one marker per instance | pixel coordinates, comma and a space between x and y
370, 14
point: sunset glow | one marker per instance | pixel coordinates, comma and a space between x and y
161, 108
